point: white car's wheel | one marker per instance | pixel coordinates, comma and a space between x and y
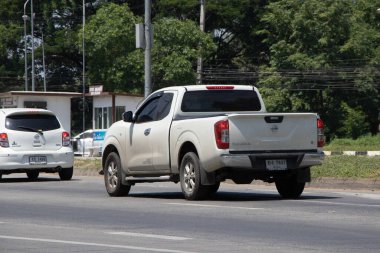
190, 177
66, 174
113, 176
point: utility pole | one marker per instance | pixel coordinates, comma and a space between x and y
148, 47
83, 74
25, 18
43, 60
202, 26
32, 32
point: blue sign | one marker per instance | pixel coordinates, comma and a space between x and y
99, 135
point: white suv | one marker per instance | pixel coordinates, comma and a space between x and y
33, 141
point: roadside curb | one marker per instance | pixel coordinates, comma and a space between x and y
346, 184
352, 153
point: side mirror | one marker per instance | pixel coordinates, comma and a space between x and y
128, 116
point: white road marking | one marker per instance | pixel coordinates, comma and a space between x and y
164, 237
215, 206
335, 203
115, 246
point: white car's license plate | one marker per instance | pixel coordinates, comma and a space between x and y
276, 164
37, 160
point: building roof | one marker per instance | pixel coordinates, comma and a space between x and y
101, 94
41, 93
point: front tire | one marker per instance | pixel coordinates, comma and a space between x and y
113, 176
190, 177
33, 174
66, 174
289, 187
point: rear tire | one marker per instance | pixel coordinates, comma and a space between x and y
113, 176
66, 174
289, 187
190, 177
33, 174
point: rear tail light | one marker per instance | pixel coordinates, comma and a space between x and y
65, 139
320, 133
222, 135
4, 140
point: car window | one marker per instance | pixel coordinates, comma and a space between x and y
220, 101
148, 112
87, 135
32, 122
164, 105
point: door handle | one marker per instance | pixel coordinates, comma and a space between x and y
147, 132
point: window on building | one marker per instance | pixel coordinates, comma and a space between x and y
98, 118
35, 104
103, 116
107, 117
119, 112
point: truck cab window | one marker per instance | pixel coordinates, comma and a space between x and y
148, 112
164, 105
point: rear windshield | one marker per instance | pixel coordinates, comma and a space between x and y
32, 122
220, 101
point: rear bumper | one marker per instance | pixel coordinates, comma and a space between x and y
63, 158
256, 161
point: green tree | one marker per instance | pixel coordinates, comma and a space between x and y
322, 54
11, 64
177, 46
110, 44
114, 61
353, 122
233, 24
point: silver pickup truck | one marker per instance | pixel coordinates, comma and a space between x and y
202, 135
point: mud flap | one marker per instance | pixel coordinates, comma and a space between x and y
303, 175
207, 178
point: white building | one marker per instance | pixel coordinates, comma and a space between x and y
108, 107
57, 102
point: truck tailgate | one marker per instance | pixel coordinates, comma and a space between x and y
273, 132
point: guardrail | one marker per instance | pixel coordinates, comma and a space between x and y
352, 153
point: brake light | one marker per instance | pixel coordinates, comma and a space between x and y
220, 87
320, 133
65, 139
4, 140
222, 135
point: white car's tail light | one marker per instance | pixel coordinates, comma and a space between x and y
320, 133
65, 139
4, 140
222, 134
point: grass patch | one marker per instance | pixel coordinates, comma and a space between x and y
345, 167
364, 143
87, 167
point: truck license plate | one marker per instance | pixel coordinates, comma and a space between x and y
37, 160
276, 164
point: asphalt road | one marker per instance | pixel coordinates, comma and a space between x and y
78, 216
